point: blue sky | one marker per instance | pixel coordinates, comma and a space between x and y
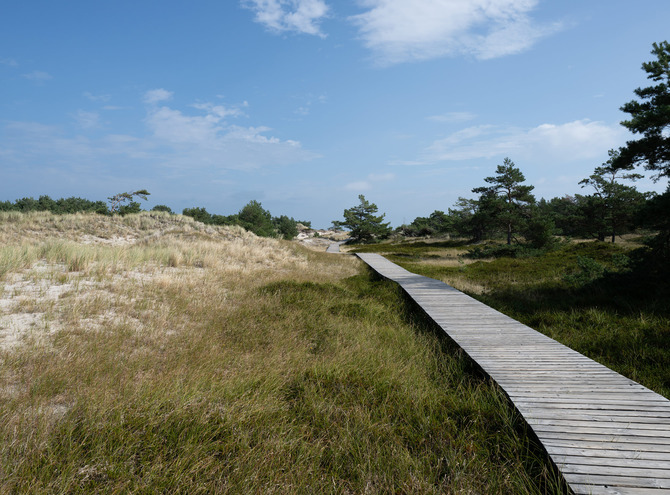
305, 104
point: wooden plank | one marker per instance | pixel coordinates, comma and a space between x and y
607, 434
561, 450
657, 474
551, 415
613, 462
559, 410
595, 440
580, 489
597, 422
618, 481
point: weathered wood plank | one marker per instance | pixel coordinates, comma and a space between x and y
569, 449
613, 462
618, 481
580, 489
607, 434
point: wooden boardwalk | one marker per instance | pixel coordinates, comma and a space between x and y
606, 434
334, 247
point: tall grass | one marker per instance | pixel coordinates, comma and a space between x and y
583, 295
248, 366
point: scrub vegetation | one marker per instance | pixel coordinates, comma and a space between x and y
152, 353
599, 298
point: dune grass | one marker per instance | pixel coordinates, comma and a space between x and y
210, 361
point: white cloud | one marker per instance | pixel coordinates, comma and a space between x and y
300, 16
87, 120
365, 185
219, 110
9, 61
577, 140
156, 95
308, 101
208, 140
38, 75
453, 117
361, 185
399, 31
101, 97
381, 177
173, 139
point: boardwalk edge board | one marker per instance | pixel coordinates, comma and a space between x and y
605, 433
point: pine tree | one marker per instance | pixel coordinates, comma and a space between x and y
650, 117
507, 201
364, 225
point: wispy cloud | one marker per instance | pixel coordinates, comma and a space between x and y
219, 110
546, 143
358, 186
38, 76
298, 16
453, 117
157, 95
9, 61
100, 97
400, 31
181, 141
87, 120
365, 185
307, 103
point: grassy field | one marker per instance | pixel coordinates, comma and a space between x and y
582, 295
151, 353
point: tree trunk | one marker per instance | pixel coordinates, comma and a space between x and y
509, 234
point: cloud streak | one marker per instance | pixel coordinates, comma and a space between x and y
577, 140
297, 16
400, 31
372, 179
38, 76
182, 142
157, 95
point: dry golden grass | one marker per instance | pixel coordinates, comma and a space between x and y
83, 271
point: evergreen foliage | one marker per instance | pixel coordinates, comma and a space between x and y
286, 227
438, 223
254, 218
613, 206
164, 208
506, 200
198, 213
650, 117
59, 206
467, 219
364, 225
117, 203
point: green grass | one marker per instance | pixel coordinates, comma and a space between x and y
180, 358
581, 295
299, 387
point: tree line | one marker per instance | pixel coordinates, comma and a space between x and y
611, 206
253, 217
506, 207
